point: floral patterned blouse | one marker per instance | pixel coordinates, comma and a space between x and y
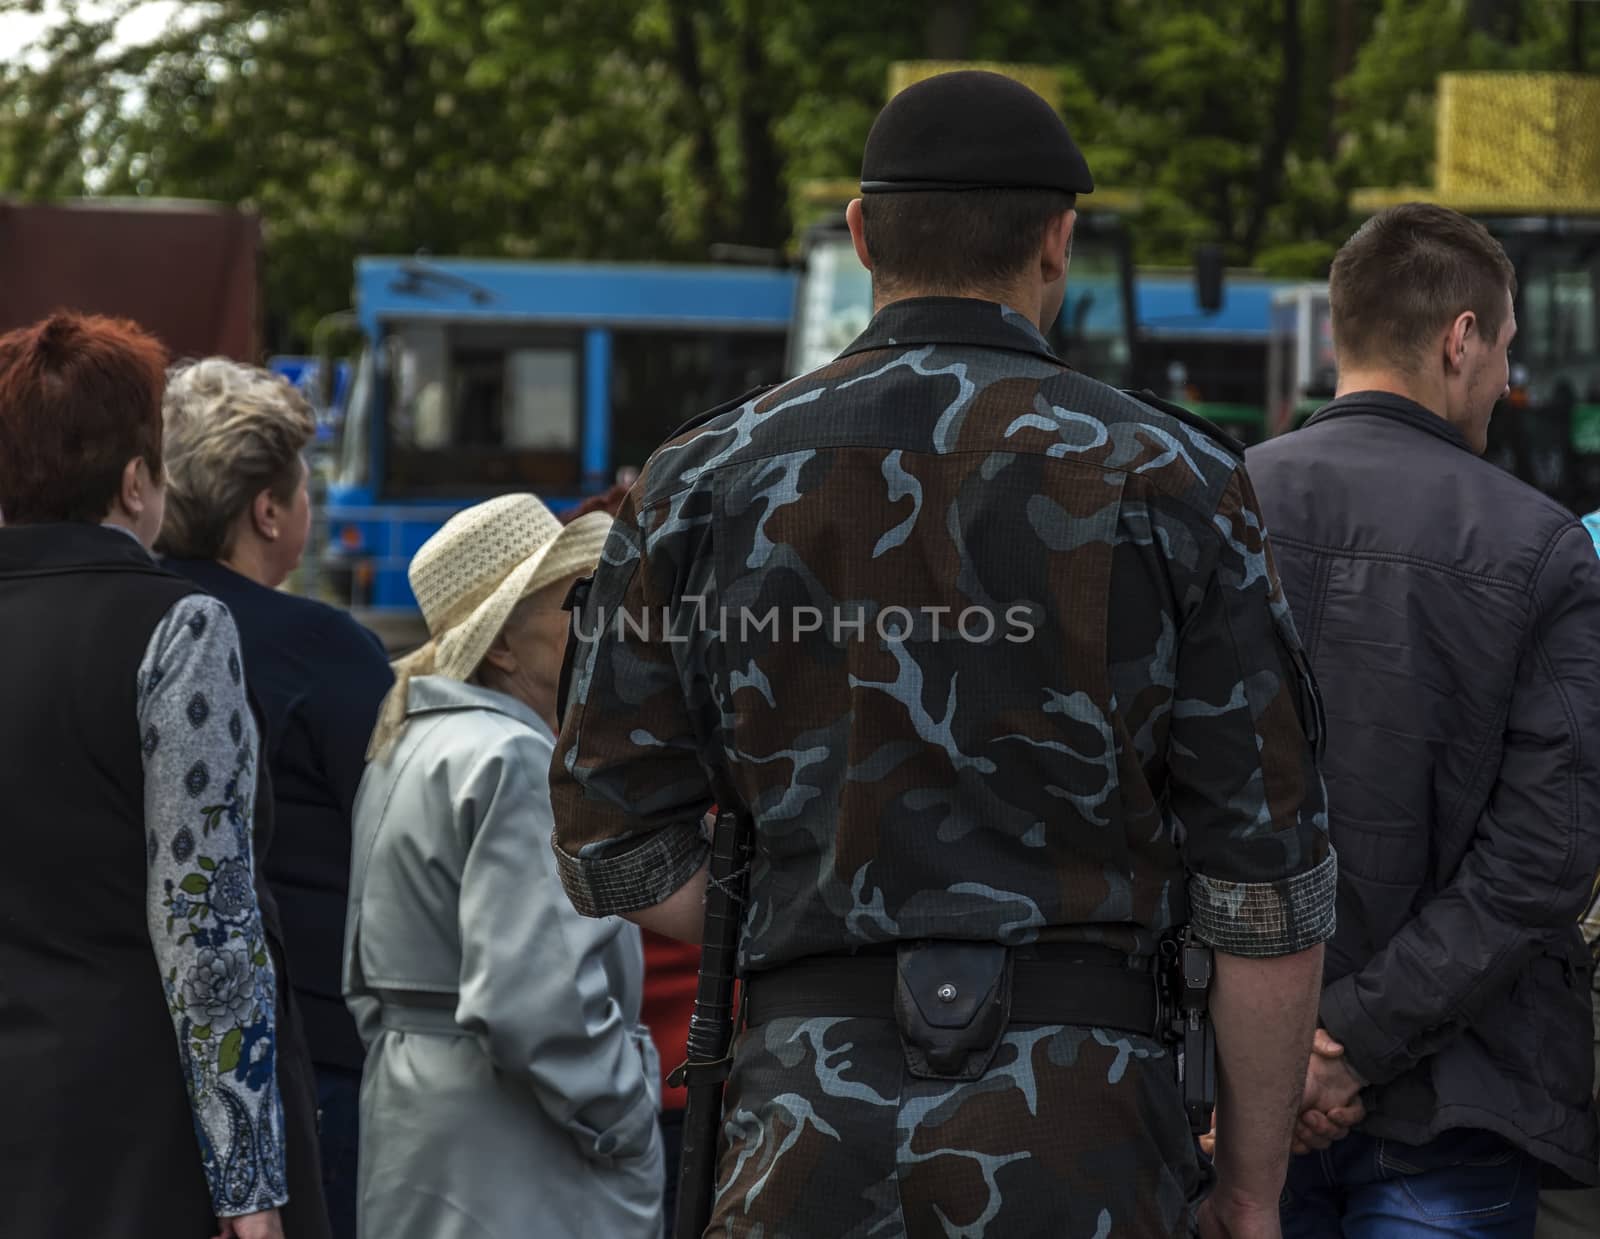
199, 744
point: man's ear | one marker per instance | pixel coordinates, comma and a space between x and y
1055, 246
858, 232
1455, 341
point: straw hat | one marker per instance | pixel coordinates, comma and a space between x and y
469, 576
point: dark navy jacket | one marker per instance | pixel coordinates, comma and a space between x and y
318, 677
1452, 616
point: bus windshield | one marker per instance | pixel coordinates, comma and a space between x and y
835, 301
355, 428
1092, 332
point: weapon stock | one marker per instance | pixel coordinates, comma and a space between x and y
711, 1027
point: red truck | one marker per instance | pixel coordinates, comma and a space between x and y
184, 270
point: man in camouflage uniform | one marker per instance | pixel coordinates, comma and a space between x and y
988, 652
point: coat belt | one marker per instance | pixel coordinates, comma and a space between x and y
419, 1011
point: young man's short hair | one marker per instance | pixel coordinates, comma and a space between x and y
957, 240
1406, 275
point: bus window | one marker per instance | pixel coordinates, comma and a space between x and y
1557, 333
660, 379
1550, 433
540, 384
1323, 380
418, 417
482, 409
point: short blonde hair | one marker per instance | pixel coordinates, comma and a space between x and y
231, 431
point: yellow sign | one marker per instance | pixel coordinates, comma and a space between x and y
1510, 144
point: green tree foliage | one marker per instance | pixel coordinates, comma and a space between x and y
655, 129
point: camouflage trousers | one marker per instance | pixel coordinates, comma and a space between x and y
1072, 1133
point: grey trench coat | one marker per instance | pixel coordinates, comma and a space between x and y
509, 1088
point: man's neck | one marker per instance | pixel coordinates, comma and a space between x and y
1018, 298
1396, 383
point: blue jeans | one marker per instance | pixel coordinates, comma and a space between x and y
338, 1117
1463, 1182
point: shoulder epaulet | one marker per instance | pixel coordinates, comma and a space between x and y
699, 419
1204, 425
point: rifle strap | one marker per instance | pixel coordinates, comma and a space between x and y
691, 1074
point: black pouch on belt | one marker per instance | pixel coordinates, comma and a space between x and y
952, 1002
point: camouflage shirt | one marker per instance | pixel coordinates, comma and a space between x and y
987, 649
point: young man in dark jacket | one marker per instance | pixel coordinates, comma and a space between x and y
1452, 616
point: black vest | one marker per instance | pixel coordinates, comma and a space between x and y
89, 1065
96, 1132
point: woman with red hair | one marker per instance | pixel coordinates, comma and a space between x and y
145, 1081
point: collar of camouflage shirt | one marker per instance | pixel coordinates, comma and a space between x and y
952, 320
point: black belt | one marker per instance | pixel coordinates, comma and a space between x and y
1047, 988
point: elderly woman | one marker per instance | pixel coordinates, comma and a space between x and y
139, 1057
238, 516
509, 1089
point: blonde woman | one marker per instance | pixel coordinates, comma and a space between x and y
509, 1088
237, 519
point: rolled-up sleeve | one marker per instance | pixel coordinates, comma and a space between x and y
626, 783
1245, 790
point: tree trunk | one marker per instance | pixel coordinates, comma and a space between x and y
1285, 119
763, 217
1576, 35
1343, 19
702, 136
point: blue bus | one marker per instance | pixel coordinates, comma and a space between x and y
479, 377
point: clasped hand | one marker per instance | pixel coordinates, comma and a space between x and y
1331, 1105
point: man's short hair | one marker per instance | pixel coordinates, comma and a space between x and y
956, 240
80, 396
1406, 275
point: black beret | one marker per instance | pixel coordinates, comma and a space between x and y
971, 130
